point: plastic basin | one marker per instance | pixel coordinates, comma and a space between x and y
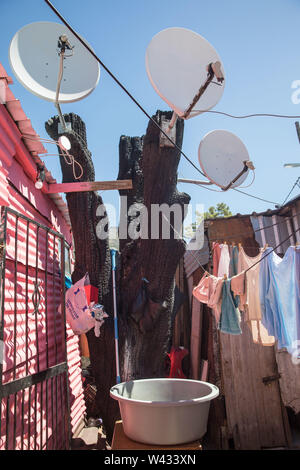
164, 411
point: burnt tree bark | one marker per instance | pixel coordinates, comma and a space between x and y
144, 329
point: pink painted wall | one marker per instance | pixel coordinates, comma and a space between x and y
17, 190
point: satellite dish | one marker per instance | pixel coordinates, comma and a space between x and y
222, 156
177, 62
35, 60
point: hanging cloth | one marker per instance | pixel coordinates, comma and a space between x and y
297, 271
230, 315
216, 253
250, 300
234, 260
278, 296
202, 289
224, 261
215, 299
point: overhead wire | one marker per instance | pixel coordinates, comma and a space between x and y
248, 269
246, 116
295, 184
148, 115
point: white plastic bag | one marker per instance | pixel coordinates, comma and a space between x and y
78, 313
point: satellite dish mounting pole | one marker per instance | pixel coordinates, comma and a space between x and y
63, 44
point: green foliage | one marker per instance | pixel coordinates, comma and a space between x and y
221, 210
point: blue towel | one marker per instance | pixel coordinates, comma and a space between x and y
233, 265
230, 315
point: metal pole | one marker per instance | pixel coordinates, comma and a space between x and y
113, 262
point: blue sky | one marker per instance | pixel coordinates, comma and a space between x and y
258, 43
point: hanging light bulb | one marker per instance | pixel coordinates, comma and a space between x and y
40, 178
64, 142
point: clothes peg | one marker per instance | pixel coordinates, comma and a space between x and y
225, 277
240, 246
266, 246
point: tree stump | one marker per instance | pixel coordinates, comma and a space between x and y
144, 332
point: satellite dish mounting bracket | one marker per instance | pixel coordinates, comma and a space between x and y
247, 165
213, 69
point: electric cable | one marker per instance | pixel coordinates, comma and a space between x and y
248, 269
147, 114
296, 183
246, 116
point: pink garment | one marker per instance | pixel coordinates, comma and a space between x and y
237, 284
215, 300
224, 261
216, 250
201, 290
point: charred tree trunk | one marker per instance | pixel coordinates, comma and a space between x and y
144, 327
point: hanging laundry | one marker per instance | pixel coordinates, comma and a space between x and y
216, 253
238, 284
234, 260
297, 271
224, 261
278, 296
230, 315
209, 291
215, 299
250, 299
202, 289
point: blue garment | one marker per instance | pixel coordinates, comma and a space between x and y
230, 315
233, 265
277, 284
297, 271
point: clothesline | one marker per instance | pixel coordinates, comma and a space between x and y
273, 249
268, 296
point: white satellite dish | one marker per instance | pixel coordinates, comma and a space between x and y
223, 157
177, 64
35, 60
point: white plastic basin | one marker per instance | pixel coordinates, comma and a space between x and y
164, 411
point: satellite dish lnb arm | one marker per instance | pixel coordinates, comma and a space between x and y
247, 165
212, 70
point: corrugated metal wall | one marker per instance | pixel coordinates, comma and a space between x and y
34, 349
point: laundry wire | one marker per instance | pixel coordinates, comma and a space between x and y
248, 269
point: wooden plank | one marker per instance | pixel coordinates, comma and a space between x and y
254, 413
88, 186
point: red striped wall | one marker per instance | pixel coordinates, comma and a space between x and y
17, 191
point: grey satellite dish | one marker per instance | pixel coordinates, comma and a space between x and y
224, 159
34, 55
185, 70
